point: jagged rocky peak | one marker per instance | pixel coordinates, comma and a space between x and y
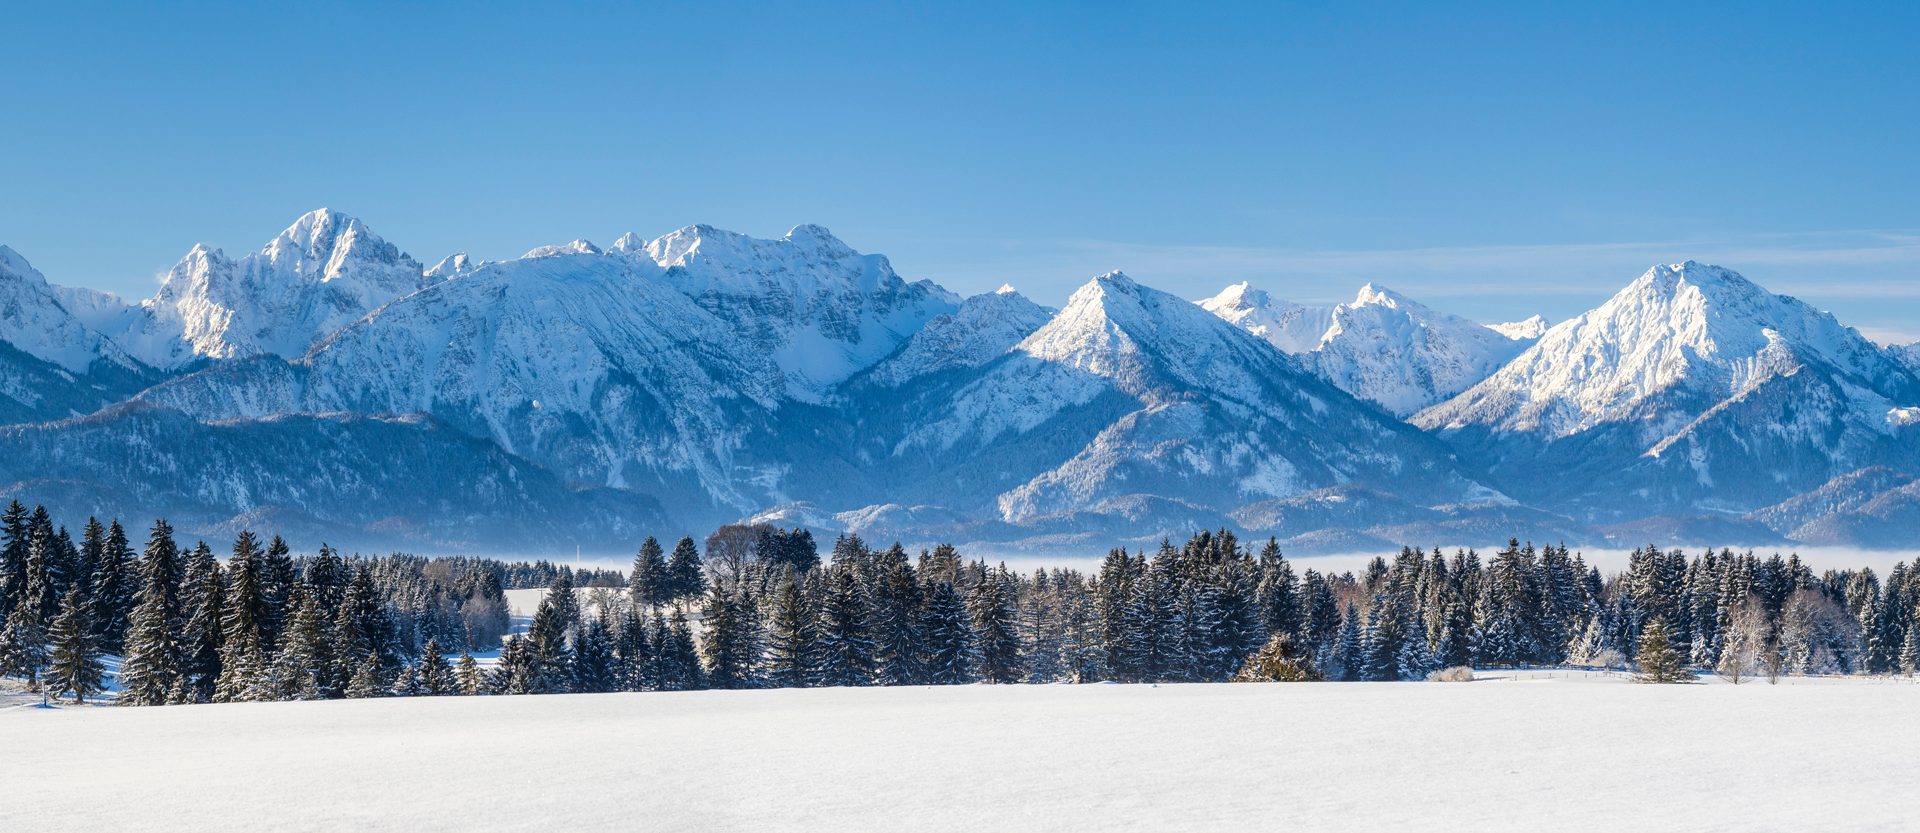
1525, 330
325, 244
453, 266
1294, 328
984, 328
35, 320
1403, 355
577, 247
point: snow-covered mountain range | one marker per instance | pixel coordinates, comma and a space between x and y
332, 387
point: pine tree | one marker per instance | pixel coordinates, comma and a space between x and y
1279, 661
115, 587
730, 648
593, 661
792, 643
243, 664
650, 583
550, 656
306, 668
466, 672
685, 576
75, 668
679, 663
895, 618
947, 633
436, 676
152, 665
515, 673
1660, 661
633, 653
1351, 648
201, 596
845, 640
366, 678
407, 682
23, 636
996, 641
13, 558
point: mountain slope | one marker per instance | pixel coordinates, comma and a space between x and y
1692, 388
52, 363
981, 330
819, 309
1294, 328
350, 480
1151, 394
1385, 348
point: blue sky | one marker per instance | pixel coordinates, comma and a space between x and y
1491, 159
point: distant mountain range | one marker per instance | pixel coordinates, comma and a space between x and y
331, 387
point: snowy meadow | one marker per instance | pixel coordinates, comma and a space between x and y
1518, 751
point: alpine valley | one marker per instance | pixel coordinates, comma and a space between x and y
333, 388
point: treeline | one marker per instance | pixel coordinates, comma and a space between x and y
761, 608
1209, 610
261, 625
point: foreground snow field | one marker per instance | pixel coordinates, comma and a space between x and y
1495, 755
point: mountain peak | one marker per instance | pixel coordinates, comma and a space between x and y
1006, 289
12, 263
577, 247
1373, 293
1529, 329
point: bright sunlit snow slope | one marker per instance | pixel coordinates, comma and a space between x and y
1337, 756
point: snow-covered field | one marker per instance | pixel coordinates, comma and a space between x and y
1532, 753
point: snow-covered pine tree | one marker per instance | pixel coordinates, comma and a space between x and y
515, 672
23, 637
730, 648
549, 654
685, 574
277, 578
243, 664
1352, 647
679, 663
152, 664
436, 676
1280, 605
946, 632
115, 585
594, 669
407, 682
650, 583
202, 597
994, 629
466, 674
632, 652
75, 662
1660, 661
845, 636
13, 558
895, 618
792, 638
366, 680
1279, 661
306, 668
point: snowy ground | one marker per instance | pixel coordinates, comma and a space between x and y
1530, 752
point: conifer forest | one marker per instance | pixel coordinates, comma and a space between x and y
761, 607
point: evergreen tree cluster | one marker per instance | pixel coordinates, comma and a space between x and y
761, 608
258, 624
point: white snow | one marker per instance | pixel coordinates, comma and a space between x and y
1530, 752
35, 319
1294, 328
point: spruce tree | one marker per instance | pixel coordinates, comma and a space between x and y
1281, 661
895, 618
306, 667
845, 639
792, 644
515, 672
436, 676
153, 661
685, 575
650, 584
23, 636
115, 588
947, 633
201, 595
633, 653
1660, 661
243, 654
679, 663
593, 662
366, 681
466, 672
996, 642
730, 648
13, 558
75, 668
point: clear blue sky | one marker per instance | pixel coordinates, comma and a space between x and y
1491, 159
